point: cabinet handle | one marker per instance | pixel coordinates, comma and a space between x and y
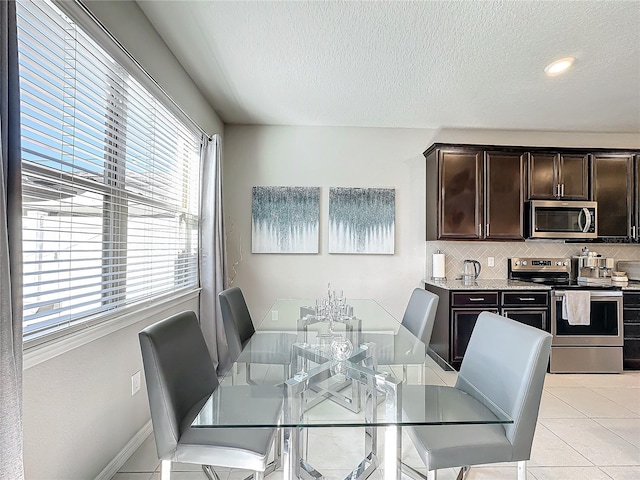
557, 192
476, 299
633, 232
486, 231
562, 190
479, 229
526, 299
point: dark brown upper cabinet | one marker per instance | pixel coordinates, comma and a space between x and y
635, 228
479, 192
474, 194
504, 195
554, 176
458, 176
614, 189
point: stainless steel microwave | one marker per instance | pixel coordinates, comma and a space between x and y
563, 219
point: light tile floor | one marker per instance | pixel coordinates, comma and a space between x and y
588, 429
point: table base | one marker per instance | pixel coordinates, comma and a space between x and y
387, 386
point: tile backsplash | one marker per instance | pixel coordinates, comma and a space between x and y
457, 252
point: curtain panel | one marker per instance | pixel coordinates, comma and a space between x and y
11, 443
212, 251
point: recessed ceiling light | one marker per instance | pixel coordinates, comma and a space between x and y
559, 66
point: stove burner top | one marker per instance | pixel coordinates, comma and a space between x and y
555, 272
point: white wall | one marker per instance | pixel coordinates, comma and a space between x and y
326, 157
78, 408
347, 157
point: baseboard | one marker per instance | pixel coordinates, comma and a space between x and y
123, 455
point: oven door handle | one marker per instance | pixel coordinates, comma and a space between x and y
594, 293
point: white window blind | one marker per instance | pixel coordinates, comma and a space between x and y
110, 180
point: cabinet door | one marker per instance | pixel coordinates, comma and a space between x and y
574, 177
635, 228
613, 189
533, 318
462, 322
631, 318
504, 196
543, 176
460, 174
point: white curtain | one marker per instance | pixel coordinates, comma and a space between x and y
11, 454
212, 251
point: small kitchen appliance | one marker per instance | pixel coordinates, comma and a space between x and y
562, 219
471, 270
592, 269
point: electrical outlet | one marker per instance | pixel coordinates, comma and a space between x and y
135, 383
491, 261
274, 315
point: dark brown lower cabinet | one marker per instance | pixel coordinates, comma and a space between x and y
458, 312
462, 322
631, 318
530, 308
534, 318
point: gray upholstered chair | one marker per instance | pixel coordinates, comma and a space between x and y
180, 378
505, 361
418, 318
247, 346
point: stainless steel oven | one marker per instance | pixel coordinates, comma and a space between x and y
595, 347
563, 219
592, 348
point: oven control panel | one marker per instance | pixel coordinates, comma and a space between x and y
551, 265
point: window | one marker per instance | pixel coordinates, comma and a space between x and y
110, 180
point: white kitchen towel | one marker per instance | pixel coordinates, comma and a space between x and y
576, 307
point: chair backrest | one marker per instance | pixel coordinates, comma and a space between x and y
420, 314
179, 373
507, 362
236, 319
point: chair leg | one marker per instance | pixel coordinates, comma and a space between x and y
277, 454
165, 470
210, 472
411, 472
522, 470
247, 369
277, 461
256, 476
462, 474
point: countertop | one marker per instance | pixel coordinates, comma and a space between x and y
487, 284
633, 285
505, 284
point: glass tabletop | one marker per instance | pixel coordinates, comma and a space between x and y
362, 369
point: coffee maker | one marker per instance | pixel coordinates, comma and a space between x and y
590, 268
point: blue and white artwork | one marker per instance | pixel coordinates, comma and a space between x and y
285, 219
362, 220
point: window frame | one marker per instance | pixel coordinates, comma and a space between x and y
116, 221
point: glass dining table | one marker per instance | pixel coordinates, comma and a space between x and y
361, 368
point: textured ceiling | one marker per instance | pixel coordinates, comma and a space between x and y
472, 64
